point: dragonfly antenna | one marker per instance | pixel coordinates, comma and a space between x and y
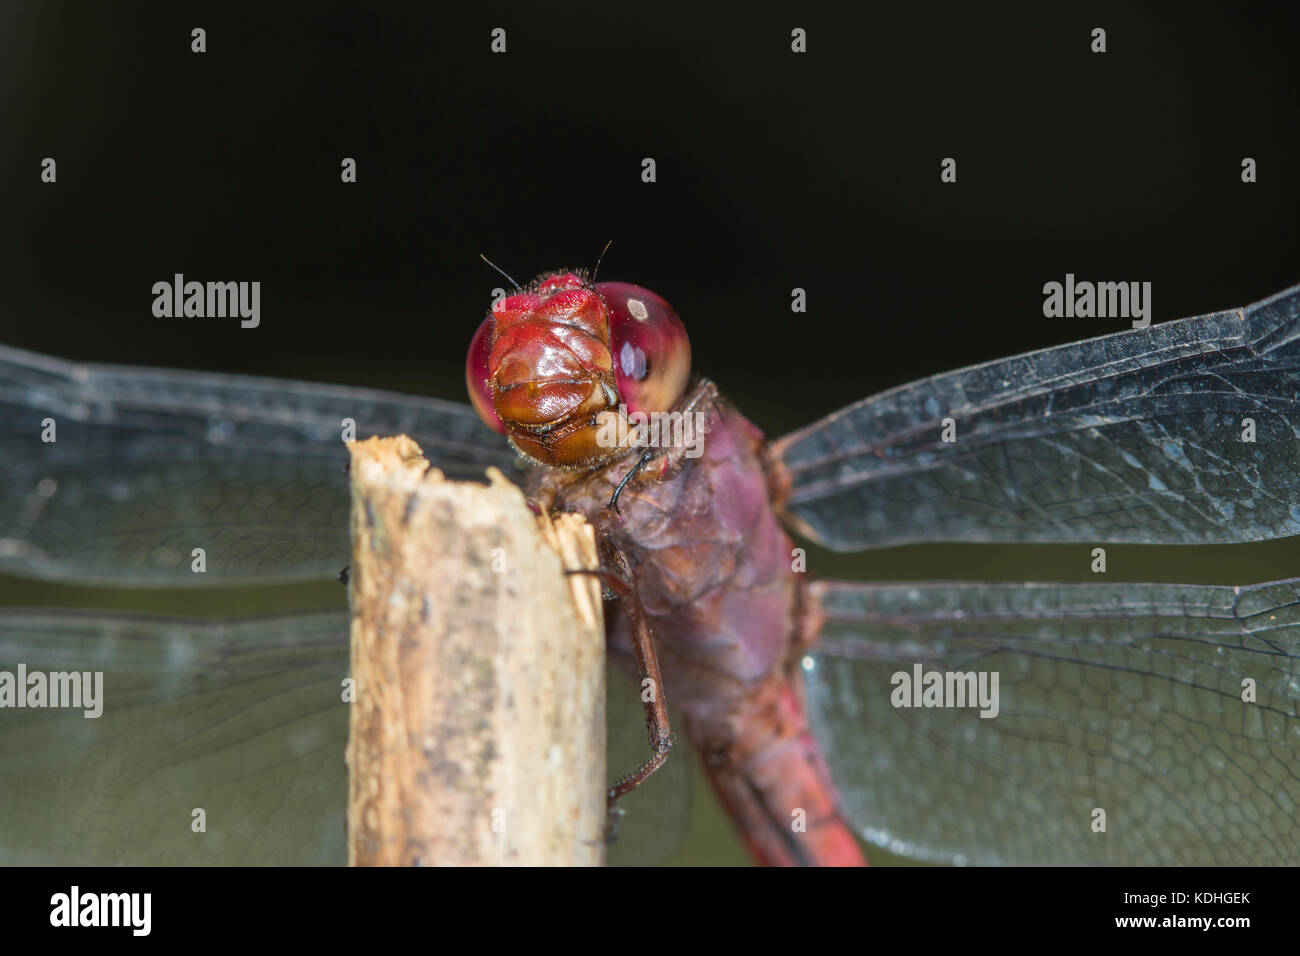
600, 258
500, 270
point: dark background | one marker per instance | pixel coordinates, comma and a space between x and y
775, 170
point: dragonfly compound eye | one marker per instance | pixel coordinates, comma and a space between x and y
651, 351
476, 377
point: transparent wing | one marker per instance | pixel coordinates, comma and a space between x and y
1124, 698
149, 464
656, 815
243, 720
1133, 437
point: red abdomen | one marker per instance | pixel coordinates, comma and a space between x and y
716, 579
769, 774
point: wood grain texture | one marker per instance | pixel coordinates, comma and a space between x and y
477, 736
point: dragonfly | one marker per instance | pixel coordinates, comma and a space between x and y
1128, 723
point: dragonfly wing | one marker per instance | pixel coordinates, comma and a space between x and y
1181, 433
656, 815
241, 720
146, 465
1124, 700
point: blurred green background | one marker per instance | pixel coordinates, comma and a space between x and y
708, 838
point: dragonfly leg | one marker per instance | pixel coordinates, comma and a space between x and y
612, 583
631, 473
655, 706
704, 397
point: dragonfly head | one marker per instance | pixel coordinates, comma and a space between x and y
560, 365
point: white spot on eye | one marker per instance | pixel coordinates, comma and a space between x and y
807, 663
632, 361
638, 309
46, 487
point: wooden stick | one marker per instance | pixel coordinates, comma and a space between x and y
477, 733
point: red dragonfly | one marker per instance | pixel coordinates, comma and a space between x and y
959, 722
